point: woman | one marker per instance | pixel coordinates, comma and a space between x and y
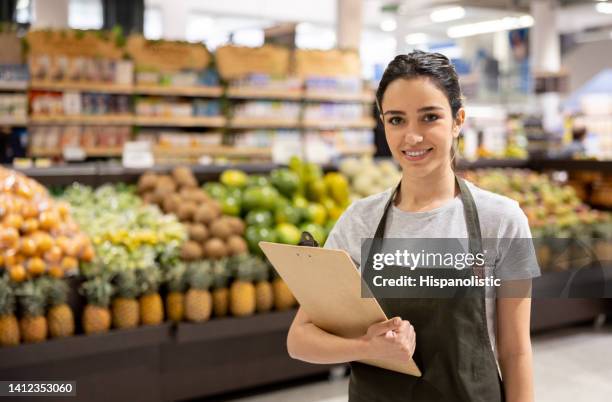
461, 346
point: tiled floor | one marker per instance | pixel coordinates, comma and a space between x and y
570, 365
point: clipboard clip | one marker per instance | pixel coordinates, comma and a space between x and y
307, 240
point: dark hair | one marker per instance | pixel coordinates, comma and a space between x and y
434, 66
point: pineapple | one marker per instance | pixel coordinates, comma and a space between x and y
264, 295
125, 308
32, 299
220, 294
151, 305
175, 300
283, 298
9, 327
96, 315
198, 301
242, 291
59, 315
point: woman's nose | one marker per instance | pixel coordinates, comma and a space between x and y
413, 138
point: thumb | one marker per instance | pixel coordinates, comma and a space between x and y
385, 326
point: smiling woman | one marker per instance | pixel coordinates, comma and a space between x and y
464, 344
422, 126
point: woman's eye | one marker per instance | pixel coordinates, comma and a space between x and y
394, 121
430, 118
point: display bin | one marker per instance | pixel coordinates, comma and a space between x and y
230, 354
121, 365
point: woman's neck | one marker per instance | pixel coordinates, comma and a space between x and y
419, 194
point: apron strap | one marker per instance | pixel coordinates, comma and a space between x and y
472, 221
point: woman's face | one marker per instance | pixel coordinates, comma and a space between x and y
419, 125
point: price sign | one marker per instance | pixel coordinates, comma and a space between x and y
137, 154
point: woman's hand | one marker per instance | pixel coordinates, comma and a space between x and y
391, 340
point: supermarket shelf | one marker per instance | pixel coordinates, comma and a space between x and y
83, 345
327, 96
89, 152
15, 122
157, 121
101, 87
242, 122
335, 124
103, 120
234, 327
264, 93
13, 85
203, 91
357, 150
213, 150
492, 163
571, 164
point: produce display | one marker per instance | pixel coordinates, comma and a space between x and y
284, 204
213, 233
555, 212
133, 243
38, 235
368, 177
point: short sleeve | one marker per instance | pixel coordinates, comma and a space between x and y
516, 256
343, 235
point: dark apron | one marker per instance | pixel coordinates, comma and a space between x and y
453, 349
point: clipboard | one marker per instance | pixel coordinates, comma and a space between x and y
327, 285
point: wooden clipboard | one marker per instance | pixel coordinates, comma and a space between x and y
327, 285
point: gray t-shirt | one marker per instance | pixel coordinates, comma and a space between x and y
500, 218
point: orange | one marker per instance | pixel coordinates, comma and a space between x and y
29, 210
54, 255
36, 266
29, 225
13, 221
48, 220
69, 263
17, 273
28, 246
88, 253
63, 208
10, 257
9, 236
44, 242
56, 271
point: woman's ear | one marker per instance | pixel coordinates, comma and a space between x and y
458, 123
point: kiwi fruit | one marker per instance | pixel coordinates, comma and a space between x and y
215, 248
147, 182
193, 194
186, 211
204, 214
236, 224
191, 251
237, 245
198, 232
221, 228
156, 198
171, 203
216, 207
184, 177
148, 198
164, 189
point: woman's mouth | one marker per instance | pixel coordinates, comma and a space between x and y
416, 154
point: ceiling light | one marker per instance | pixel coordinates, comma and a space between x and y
604, 8
504, 24
388, 25
447, 14
415, 38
